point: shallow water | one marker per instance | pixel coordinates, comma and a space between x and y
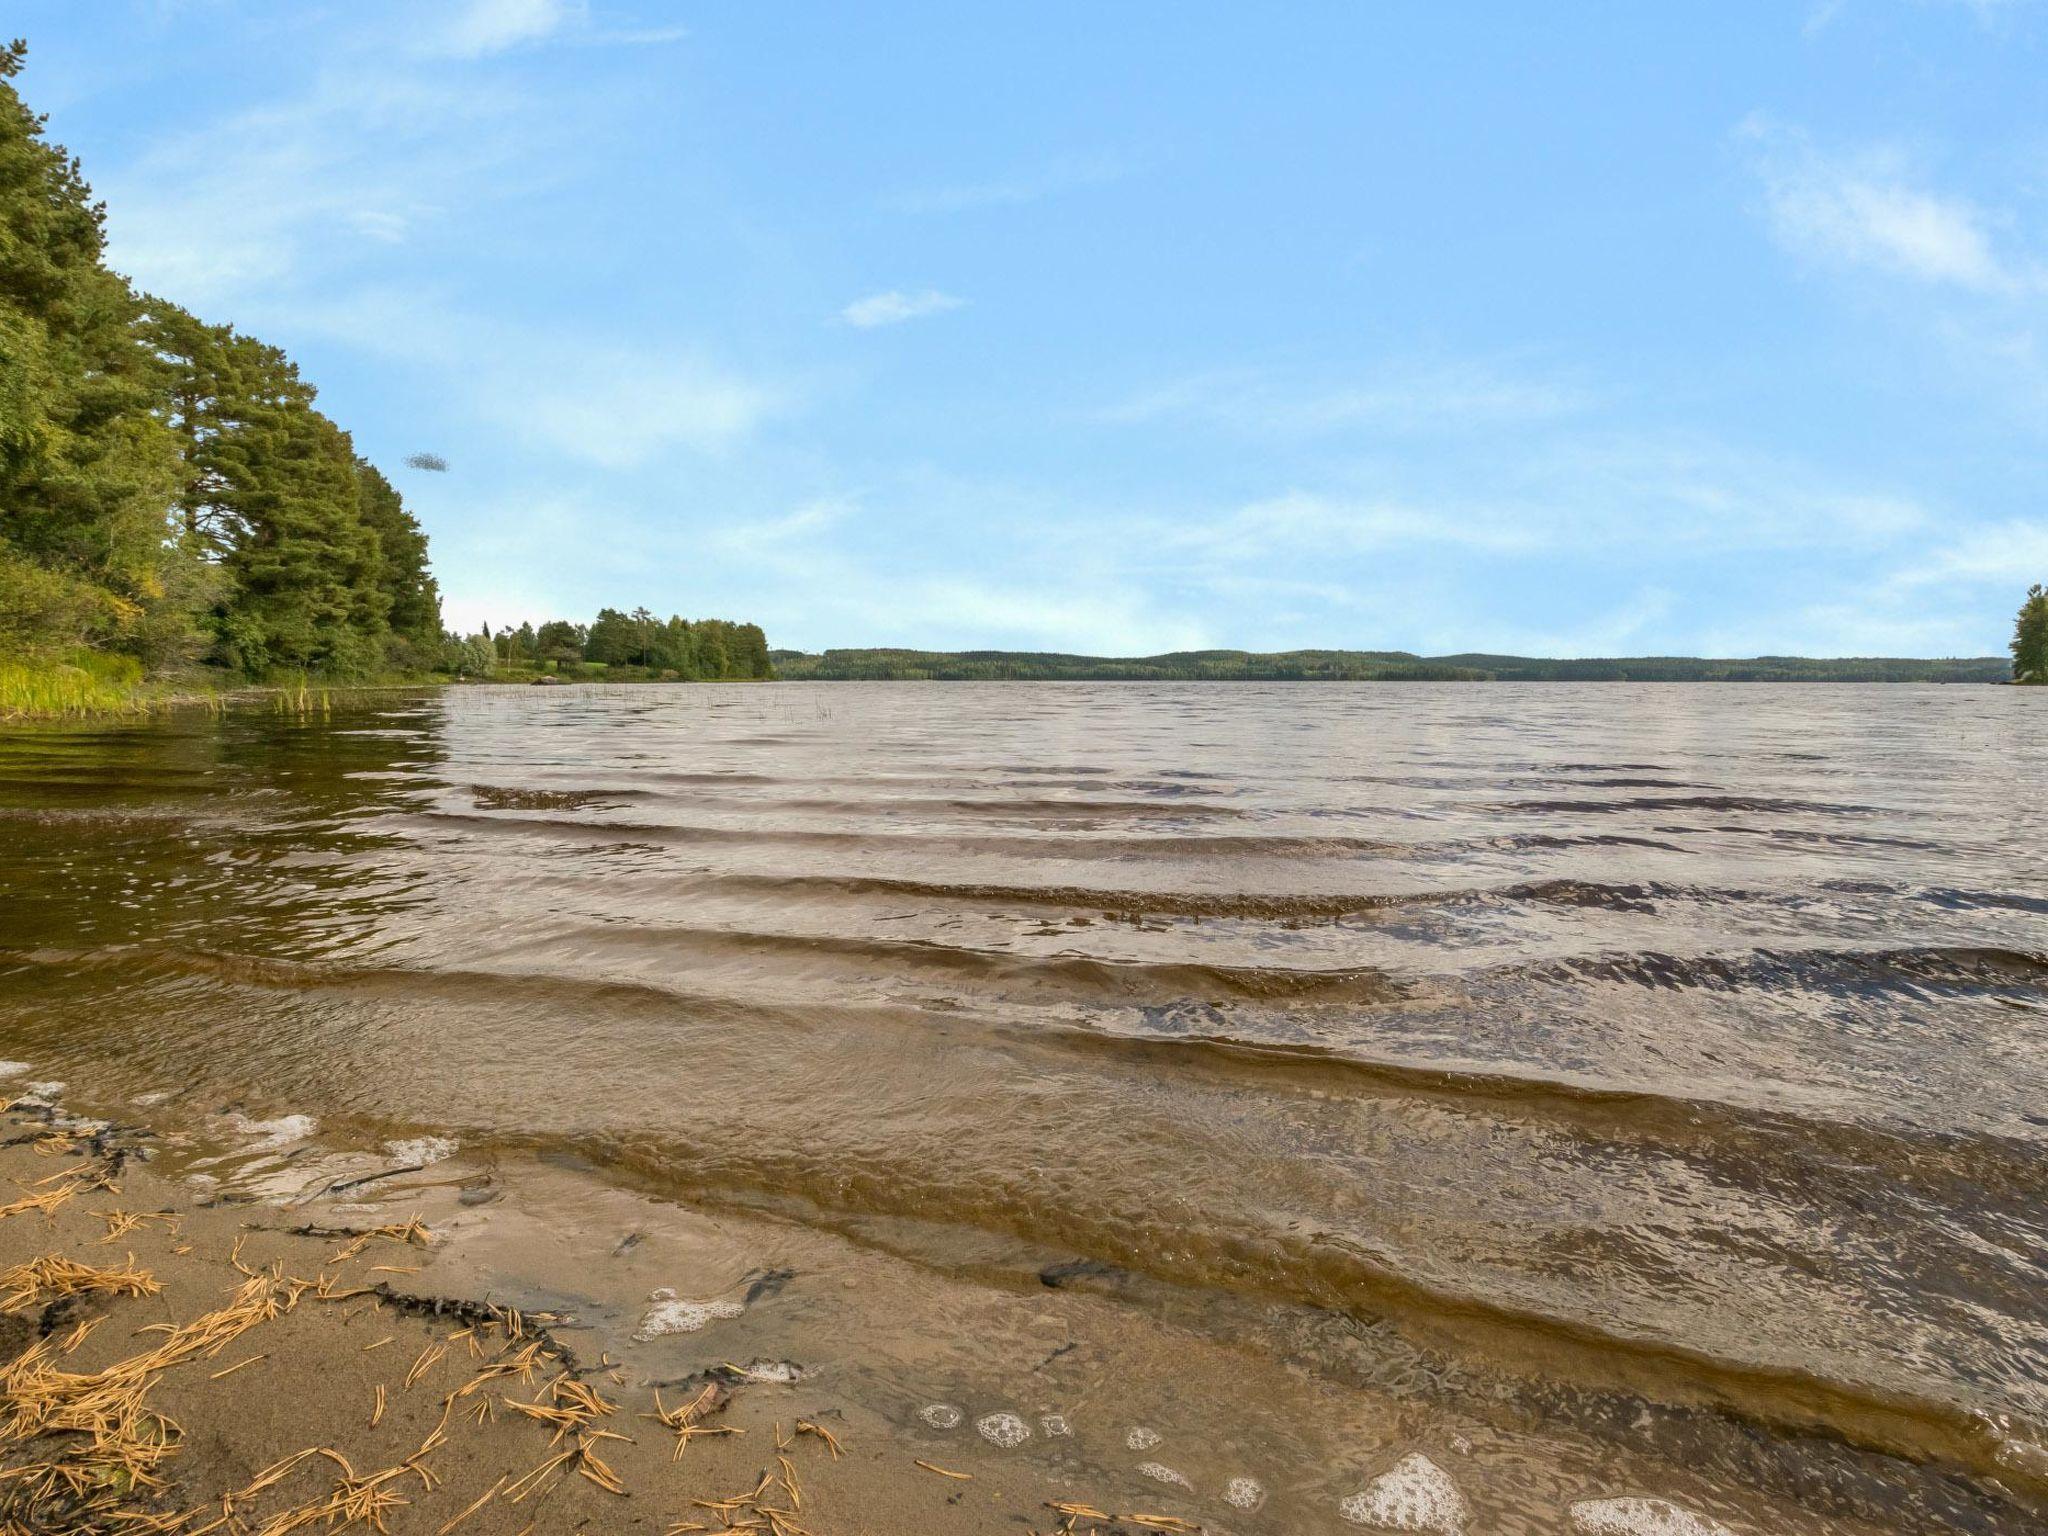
1649, 1080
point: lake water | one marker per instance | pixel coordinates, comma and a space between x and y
1599, 1089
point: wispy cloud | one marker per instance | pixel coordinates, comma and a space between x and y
1866, 209
1404, 398
586, 396
1013, 190
310, 184
2008, 554
896, 306
482, 27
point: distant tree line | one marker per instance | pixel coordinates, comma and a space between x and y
167, 489
686, 650
1367, 666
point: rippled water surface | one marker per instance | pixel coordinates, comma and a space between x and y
1658, 1071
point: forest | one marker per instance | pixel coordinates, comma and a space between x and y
169, 492
620, 646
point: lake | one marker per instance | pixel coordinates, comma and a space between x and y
1597, 1088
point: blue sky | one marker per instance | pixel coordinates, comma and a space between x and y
1589, 329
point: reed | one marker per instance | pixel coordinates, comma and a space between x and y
64, 692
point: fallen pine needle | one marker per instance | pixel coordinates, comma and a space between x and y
806, 1427
488, 1494
429, 1358
387, 1339
377, 1413
216, 1376
965, 1477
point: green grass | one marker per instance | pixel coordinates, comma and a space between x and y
87, 684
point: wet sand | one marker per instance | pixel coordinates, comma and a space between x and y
376, 1375
420, 1295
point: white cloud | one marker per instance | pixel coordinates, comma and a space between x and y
618, 406
1299, 524
483, 27
1399, 397
1014, 190
270, 198
894, 307
2012, 554
1864, 210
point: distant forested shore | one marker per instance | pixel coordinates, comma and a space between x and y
1369, 666
618, 647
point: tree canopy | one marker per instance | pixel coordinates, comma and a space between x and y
167, 487
2030, 638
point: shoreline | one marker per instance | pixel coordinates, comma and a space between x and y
430, 1325
173, 1362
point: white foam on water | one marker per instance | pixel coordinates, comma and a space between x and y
783, 1372
672, 1315
1142, 1439
1417, 1495
941, 1415
147, 1099
424, 1150
1003, 1429
1635, 1516
48, 1090
267, 1135
1055, 1425
1164, 1474
1244, 1493
13, 1068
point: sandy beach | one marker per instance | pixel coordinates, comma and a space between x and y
179, 1362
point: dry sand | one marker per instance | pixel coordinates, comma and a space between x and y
246, 1373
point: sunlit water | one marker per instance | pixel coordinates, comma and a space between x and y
1649, 1072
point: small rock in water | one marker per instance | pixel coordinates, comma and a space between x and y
1004, 1429
1244, 1493
1641, 1517
1055, 1425
477, 1194
1164, 1474
941, 1415
1142, 1439
1417, 1495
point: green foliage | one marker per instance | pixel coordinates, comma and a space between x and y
2030, 638
619, 645
166, 486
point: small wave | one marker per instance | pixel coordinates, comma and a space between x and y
1836, 971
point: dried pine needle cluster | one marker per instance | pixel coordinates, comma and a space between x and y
112, 1442
53, 1277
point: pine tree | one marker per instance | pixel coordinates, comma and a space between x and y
2030, 638
86, 466
411, 598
